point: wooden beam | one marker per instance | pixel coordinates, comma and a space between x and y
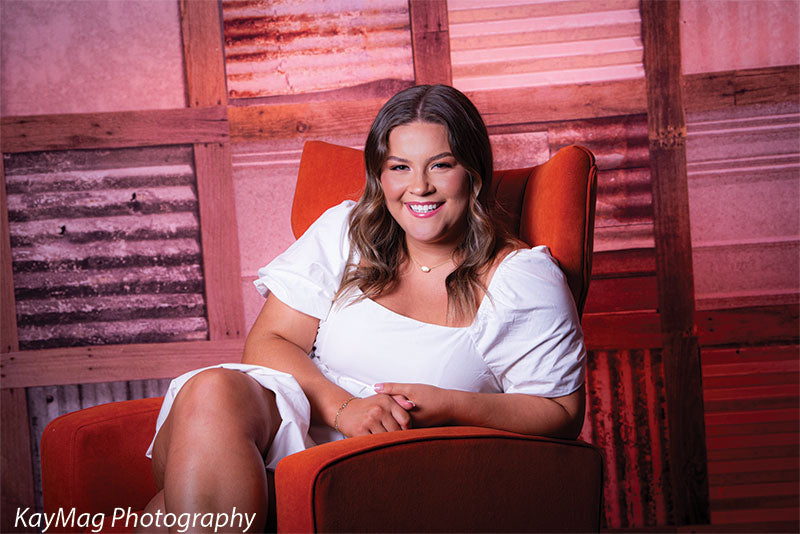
728, 89
203, 53
15, 436
113, 129
430, 41
107, 363
681, 353
206, 86
309, 120
220, 240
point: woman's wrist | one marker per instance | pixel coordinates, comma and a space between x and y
339, 413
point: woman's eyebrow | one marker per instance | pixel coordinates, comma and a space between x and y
437, 156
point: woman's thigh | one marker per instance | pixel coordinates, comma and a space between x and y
216, 404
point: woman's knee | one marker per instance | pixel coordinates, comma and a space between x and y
224, 400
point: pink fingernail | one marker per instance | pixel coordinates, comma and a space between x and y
378, 387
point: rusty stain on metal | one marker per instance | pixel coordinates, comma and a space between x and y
282, 47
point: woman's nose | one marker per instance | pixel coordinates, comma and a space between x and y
421, 184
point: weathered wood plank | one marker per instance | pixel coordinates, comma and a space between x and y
220, 240
203, 53
430, 42
718, 90
15, 439
308, 120
681, 351
113, 129
106, 363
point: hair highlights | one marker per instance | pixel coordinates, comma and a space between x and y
375, 236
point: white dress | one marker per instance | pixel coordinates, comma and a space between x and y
526, 336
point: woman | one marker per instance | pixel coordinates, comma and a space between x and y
406, 309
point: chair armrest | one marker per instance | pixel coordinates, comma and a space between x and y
441, 479
94, 459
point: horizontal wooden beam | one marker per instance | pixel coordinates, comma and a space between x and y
311, 120
107, 363
113, 129
726, 89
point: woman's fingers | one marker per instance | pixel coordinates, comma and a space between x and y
373, 415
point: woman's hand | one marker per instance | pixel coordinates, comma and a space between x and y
374, 414
432, 406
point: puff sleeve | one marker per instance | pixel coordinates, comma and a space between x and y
531, 337
307, 276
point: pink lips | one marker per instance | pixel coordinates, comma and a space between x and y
425, 214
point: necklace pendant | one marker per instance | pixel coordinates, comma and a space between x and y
424, 268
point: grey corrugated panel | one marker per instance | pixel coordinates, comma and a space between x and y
744, 196
105, 247
303, 46
45, 403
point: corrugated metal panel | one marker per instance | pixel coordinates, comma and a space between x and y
105, 247
515, 43
744, 199
47, 403
302, 46
752, 404
626, 417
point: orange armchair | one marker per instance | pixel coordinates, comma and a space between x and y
454, 479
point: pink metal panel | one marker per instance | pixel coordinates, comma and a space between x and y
744, 198
524, 44
304, 46
105, 247
739, 34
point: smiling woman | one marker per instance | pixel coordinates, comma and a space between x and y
409, 308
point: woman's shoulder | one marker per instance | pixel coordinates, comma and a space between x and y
526, 277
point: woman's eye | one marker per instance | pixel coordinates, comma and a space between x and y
398, 167
441, 165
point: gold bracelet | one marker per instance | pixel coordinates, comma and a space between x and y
341, 408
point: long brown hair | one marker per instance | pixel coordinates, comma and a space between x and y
377, 238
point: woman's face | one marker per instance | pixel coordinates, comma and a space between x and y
426, 189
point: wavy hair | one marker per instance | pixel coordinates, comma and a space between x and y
376, 236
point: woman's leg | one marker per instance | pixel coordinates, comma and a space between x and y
209, 453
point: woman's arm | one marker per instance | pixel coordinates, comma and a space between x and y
560, 417
282, 338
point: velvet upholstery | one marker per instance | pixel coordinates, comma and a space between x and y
456, 479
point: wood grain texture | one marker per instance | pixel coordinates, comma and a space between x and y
15, 439
9, 340
681, 353
203, 53
221, 264
105, 363
719, 90
308, 120
430, 42
113, 129
17, 486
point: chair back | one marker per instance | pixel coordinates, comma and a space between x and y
550, 204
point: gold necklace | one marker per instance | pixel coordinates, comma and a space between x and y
425, 268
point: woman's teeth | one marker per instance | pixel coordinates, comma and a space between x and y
423, 208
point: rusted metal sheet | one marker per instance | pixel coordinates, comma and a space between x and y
744, 197
105, 247
752, 403
48, 402
288, 47
626, 417
526, 44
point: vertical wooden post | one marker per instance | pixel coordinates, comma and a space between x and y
430, 41
205, 80
681, 353
15, 437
